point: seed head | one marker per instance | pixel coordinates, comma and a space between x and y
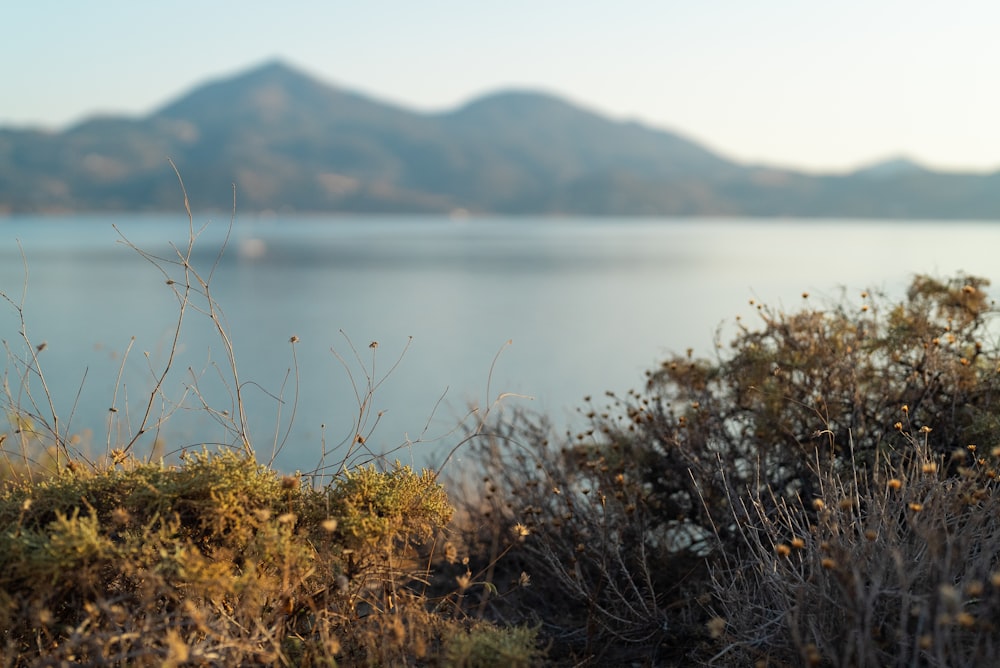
974, 588
120, 516
520, 531
716, 627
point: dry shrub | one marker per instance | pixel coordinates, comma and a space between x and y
890, 566
643, 524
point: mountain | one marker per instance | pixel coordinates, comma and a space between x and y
891, 167
292, 143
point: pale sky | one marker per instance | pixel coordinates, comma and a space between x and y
812, 85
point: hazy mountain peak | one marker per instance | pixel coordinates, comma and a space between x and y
894, 166
514, 99
290, 141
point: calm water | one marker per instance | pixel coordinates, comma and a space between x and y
588, 305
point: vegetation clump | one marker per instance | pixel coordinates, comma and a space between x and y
220, 560
823, 492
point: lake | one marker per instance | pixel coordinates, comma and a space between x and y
587, 305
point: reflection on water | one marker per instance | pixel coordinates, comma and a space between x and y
588, 303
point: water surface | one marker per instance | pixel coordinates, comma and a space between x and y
588, 305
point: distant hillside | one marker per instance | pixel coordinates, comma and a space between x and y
292, 143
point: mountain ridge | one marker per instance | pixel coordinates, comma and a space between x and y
293, 143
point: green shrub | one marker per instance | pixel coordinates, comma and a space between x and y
218, 560
486, 646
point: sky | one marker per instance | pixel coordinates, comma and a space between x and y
818, 86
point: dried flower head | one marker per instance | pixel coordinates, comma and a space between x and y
974, 588
120, 517
965, 620
716, 627
520, 531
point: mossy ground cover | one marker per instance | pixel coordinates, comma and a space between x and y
218, 560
